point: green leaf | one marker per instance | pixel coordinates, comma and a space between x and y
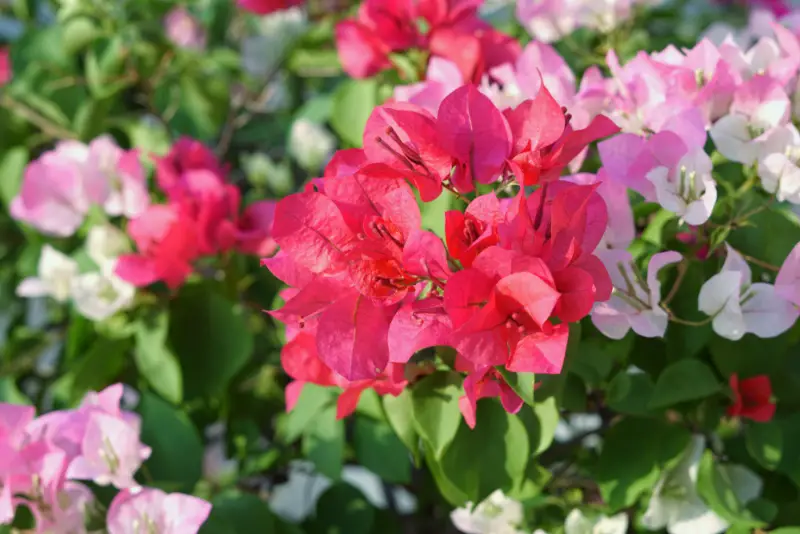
379, 450
313, 398
234, 512
211, 338
323, 443
12, 167
353, 103
155, 361
521, 383
630, 393
683, 381
433, 212
400, 414
342, 509
548, 417
715, 485
634, 452
790, 432
501, 444
654, 233
177, 458
436, 412
765, 443
100, 366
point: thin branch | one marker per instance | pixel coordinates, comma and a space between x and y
44, 124
682, 269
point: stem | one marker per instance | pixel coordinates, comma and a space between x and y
760, 263
450, 188
44, 124
682, 269
687, 322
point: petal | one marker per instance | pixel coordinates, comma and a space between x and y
424, 255
766, 314
541, 353
414, 328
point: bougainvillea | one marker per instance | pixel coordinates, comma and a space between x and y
409, 265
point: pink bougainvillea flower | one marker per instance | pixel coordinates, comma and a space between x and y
185, 155
484, 383
752, 398
5, 65
254, 229
787, 283
184, 30
263, 7
418, 325
633, 304
621, 230
156, 511
739, 306
442, 78
110, 452
167, 239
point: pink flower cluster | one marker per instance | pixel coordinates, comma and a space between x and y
60, 187
369, 287
43, 459
445, 28
263, 7
200, 218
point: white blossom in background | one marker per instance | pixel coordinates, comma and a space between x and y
276, 33
578, 523
778, 164
738, 306
497, 514
310, 144
217, 466
56, 272
99, 295
688, 190
105, 243
676, 505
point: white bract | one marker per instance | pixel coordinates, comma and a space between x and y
635, 303
496, 515
778, 165
310, 144
56, 272
739, 307
99, 295
105, 243
688, 190
578, 523
739, 137
676, 505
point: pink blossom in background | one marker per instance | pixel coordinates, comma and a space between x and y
5, 66
787, 283
184, 30
455, 32
41, 459
59, 188
263, 7
152, 510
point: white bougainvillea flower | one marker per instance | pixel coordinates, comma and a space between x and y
106, 243
787, 283
99, 295
778, 165
496, 515
758, 106
676, 505
739, 307
578, 523
310, 144
687, 190
634, 302
56, 272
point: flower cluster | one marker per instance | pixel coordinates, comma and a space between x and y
452, 30
46, 458
370, 287
200, 218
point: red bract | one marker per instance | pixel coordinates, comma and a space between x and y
168, 243
454, 31
201, 218
262, 7
752, 398
484, 383
5, 66
372, 288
